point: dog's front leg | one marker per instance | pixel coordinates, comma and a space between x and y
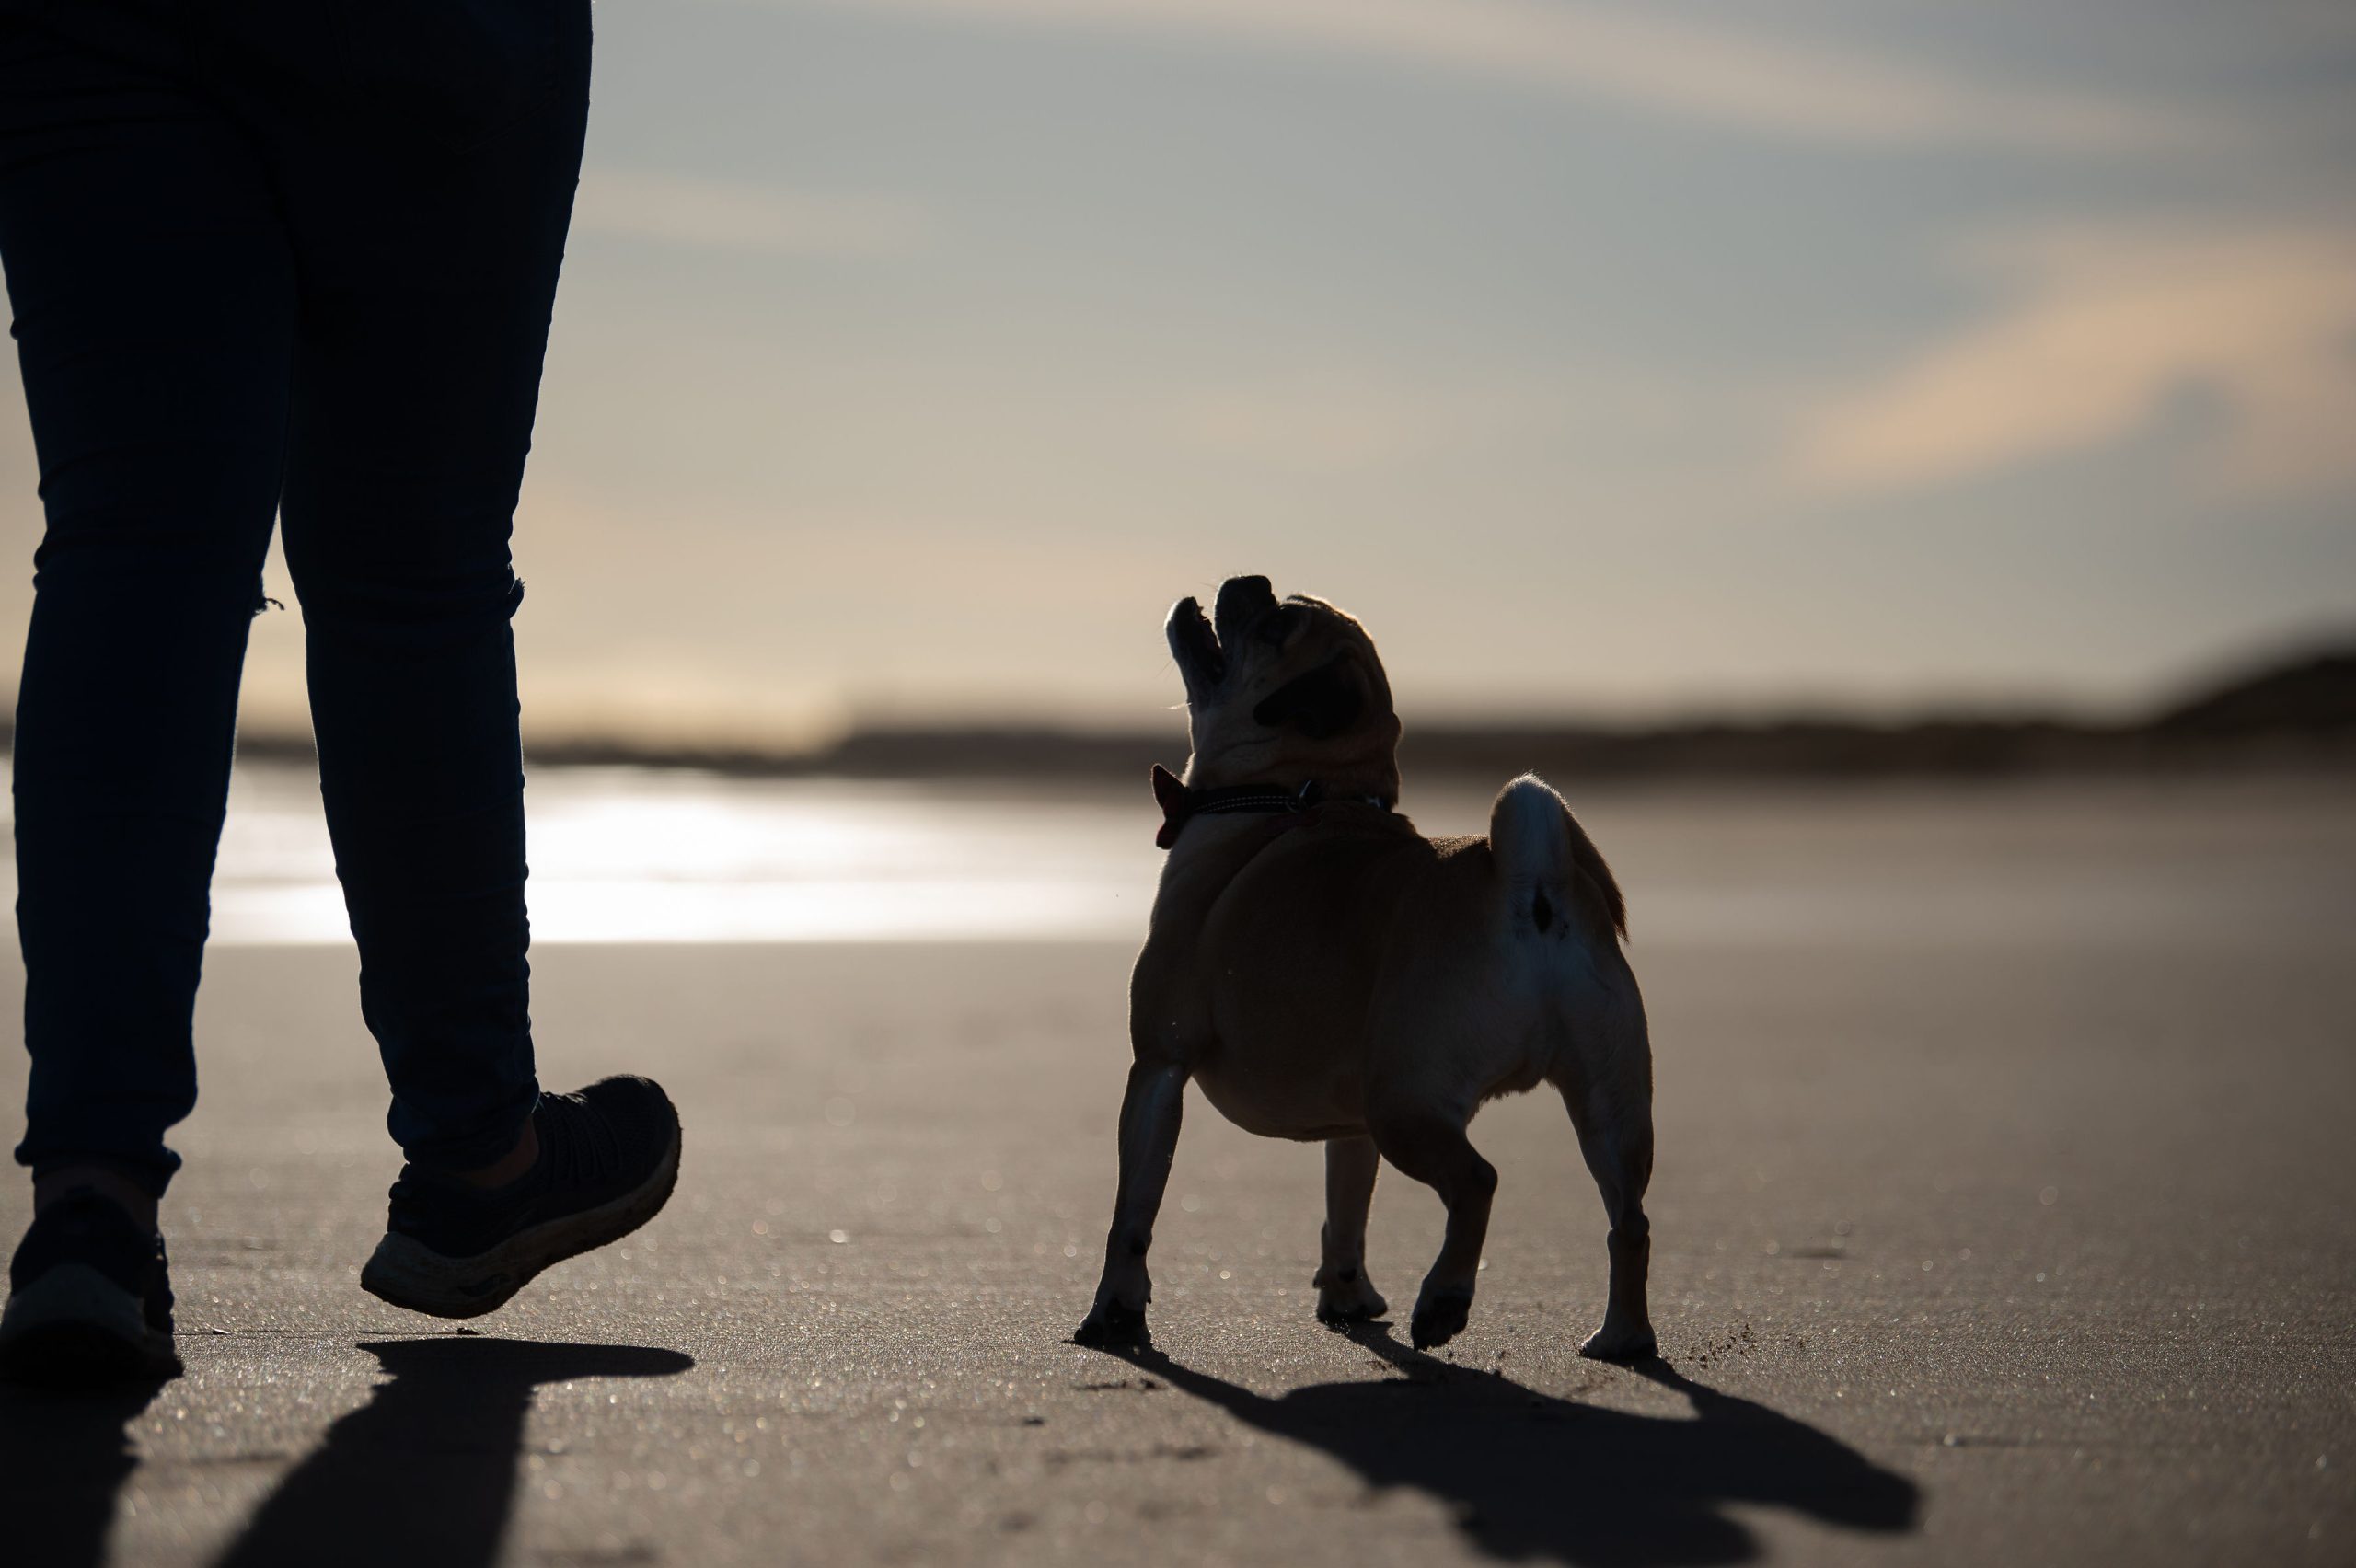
1149, 1114
1343, 1293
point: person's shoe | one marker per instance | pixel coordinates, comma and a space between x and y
610, 1157
89, 1299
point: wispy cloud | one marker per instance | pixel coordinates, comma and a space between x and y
725, 215
1638, 59
2101, 329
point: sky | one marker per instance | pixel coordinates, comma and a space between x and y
1607, 359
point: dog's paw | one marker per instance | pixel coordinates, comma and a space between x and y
1346, 1295
1617, 1342
1439, 1318
1112, 1325
1363, 1307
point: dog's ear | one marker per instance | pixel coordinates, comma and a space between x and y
1325, 701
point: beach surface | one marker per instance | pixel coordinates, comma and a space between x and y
2003, 1214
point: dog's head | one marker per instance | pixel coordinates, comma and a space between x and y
1282, 692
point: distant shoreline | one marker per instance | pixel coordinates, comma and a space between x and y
2295, 717
1786, 749
1798, 749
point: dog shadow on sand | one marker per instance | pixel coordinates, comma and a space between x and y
1533, 1476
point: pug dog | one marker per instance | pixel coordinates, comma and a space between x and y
1323, 971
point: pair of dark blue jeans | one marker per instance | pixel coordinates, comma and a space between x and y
291, 263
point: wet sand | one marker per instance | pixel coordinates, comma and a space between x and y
2003, 1214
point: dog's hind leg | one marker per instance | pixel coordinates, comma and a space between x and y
1433, 1148
1149, 1114
1343, 1293
1615, 1126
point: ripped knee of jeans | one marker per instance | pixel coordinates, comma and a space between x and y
417, 614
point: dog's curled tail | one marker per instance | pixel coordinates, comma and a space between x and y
1550, 868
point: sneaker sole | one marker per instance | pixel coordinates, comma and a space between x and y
73, 1328
408, 1273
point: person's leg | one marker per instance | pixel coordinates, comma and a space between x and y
428, 216
154, 302
153, 296
429, 268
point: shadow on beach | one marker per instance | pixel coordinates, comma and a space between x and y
1529, 1475
64, 1459
424, 1474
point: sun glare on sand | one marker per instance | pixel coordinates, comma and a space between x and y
618, 856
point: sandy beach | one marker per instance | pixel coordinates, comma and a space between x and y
2001, 1216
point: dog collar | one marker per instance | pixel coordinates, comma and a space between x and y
1179, 802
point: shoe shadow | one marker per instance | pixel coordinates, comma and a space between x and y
64, 1459
1533, 1476
424, 1472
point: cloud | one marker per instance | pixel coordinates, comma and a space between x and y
1639, 59
2099, 329
723, 215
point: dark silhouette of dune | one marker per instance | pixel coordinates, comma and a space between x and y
2314, 695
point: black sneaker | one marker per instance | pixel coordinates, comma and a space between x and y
89, 1299
610, 1157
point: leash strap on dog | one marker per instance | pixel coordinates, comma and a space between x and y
1180, 803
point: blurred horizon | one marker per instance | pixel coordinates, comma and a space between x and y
1610, 361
